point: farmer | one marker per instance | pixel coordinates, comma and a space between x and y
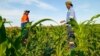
24, 21
70, 15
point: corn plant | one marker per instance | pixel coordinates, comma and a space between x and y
50, 40
85, 36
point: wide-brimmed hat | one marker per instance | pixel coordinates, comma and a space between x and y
69, 2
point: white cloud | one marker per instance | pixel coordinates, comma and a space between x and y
38, 3
83, 7
43, 5
13, 15
8, 12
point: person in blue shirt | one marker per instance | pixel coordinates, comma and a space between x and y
70, 15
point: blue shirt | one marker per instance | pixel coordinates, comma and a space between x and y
70, 14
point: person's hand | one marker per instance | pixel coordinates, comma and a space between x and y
62, 21
4, 20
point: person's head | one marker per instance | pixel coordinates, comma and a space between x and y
26, 12
69, 4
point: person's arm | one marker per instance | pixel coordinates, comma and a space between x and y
72, 14
4, 20
27, 19
62, 21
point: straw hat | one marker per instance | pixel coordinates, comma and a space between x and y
69, 2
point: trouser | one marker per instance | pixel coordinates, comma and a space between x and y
70, 32
24, 31
71, 36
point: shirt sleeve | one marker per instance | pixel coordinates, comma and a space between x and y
72, 14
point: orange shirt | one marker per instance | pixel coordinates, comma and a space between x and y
24, 19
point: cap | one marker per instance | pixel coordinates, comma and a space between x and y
27, 11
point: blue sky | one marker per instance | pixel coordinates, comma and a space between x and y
54, 9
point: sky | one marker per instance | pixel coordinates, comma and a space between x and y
13, 10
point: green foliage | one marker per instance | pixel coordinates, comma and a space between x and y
51, 40
86, 36
2, 31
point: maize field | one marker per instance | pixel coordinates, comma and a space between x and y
51, 40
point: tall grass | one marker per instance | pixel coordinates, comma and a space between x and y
51, 40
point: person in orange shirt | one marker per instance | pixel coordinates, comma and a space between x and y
25, 18
24, 21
